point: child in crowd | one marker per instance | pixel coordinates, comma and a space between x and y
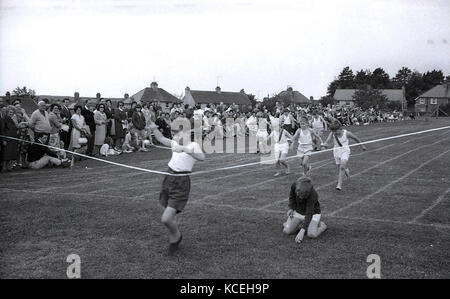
131, 143
341, 150
304, 213
107, 148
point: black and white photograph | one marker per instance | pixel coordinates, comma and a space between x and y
237, 142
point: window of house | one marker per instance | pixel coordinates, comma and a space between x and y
422, 101
433, 101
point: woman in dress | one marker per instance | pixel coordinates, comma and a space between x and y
9, 127
79, 129
100, 127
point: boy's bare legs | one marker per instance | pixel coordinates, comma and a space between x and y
169, 219
342, 168
315, 230
306, 166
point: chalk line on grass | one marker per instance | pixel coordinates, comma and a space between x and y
435, 203
387, 185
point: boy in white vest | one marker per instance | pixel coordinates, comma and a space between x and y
176, 187
305, 144
341, 150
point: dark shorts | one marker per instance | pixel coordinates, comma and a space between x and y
175, 192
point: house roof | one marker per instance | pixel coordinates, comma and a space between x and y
293, 96
393, 95
150, 94
214, 97
439, 91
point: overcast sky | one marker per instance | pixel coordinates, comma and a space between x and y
114, 47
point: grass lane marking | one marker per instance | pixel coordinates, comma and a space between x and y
387, 185
436, 202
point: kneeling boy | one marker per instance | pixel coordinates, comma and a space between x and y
304, 211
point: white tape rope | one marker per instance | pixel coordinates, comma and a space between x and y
266, 161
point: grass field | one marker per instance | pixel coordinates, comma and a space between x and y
396, 205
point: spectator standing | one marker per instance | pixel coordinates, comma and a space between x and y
39, 121
120, 123
79, 128
88, 114
101, 120
55, 124
66, 115
9, 128
139, 125
110, 125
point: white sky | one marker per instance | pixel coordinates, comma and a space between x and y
60, 46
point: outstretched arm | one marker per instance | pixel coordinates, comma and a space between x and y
354, 137
159, 136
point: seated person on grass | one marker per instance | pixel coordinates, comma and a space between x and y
304, 211
39, 155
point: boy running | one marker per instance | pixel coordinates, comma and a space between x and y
282, 140
305, 144
304, 211
341, 150
319, 125
175, 189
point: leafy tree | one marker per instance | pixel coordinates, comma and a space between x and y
380, 79
252, 99
394, 105
414, 87
270, 102
370, 98
433, 78
324, 101
362, 78
332, 87
346, 78
401, 78
24, 91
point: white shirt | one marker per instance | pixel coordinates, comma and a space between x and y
304, 139
181, 162
317, 123
343, 140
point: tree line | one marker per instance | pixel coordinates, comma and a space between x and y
414, 82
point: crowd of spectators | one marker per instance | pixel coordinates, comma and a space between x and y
97, 127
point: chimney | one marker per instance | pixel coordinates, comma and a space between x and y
154, 86
218, 89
